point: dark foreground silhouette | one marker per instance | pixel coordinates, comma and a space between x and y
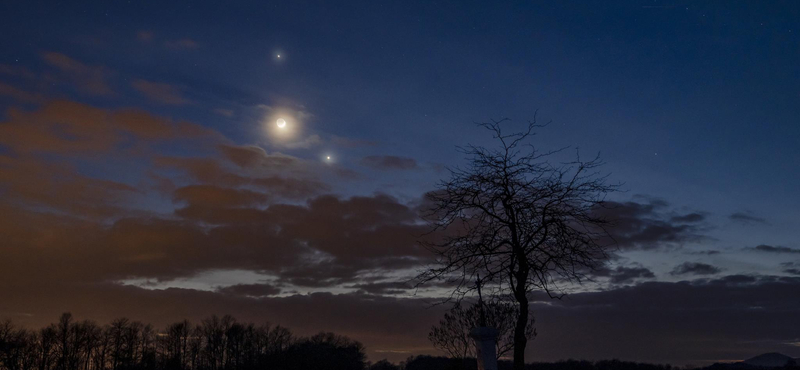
217, 343
222, 343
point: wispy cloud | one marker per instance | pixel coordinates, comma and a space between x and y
747, 218
89, 79
160, 92
389, 162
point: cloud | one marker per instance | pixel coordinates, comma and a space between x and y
17, 71
351, 143
695, 268
144, 36
383, 288
327, 241
224, 112
49, 153
306, 143
650, 224
254, 159
251, 290
791, 267
706, 252
389, 162
67, 127
160, 92
60, 187
624, 275
89, 79
689, 218
212, 171
20, 95
747, 218
216, 197
296, 111
251, 156
774, 249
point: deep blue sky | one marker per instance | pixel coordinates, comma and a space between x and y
696, 104
712, 89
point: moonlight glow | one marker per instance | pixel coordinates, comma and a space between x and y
282, 126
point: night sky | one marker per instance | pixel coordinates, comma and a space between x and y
142, 172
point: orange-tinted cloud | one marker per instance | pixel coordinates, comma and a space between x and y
58, 186
89, 79
80, 174
144, 36
68, 127
160, 92
17, 71
19, 94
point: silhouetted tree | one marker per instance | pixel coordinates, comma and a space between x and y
218, 343
174, 345
23, 349
438, 363
213, 333
13, 346
47, 348
451, 335
324, 351
384, 365
519, 221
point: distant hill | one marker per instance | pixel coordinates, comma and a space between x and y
773, 359
764, 361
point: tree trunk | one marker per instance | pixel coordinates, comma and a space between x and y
521, 296
520, 339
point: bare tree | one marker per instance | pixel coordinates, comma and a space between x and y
452, 333
519, 221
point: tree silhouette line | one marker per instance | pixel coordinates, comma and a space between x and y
216, 343
445, 363
223, 343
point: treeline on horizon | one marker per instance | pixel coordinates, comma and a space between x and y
216, 343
